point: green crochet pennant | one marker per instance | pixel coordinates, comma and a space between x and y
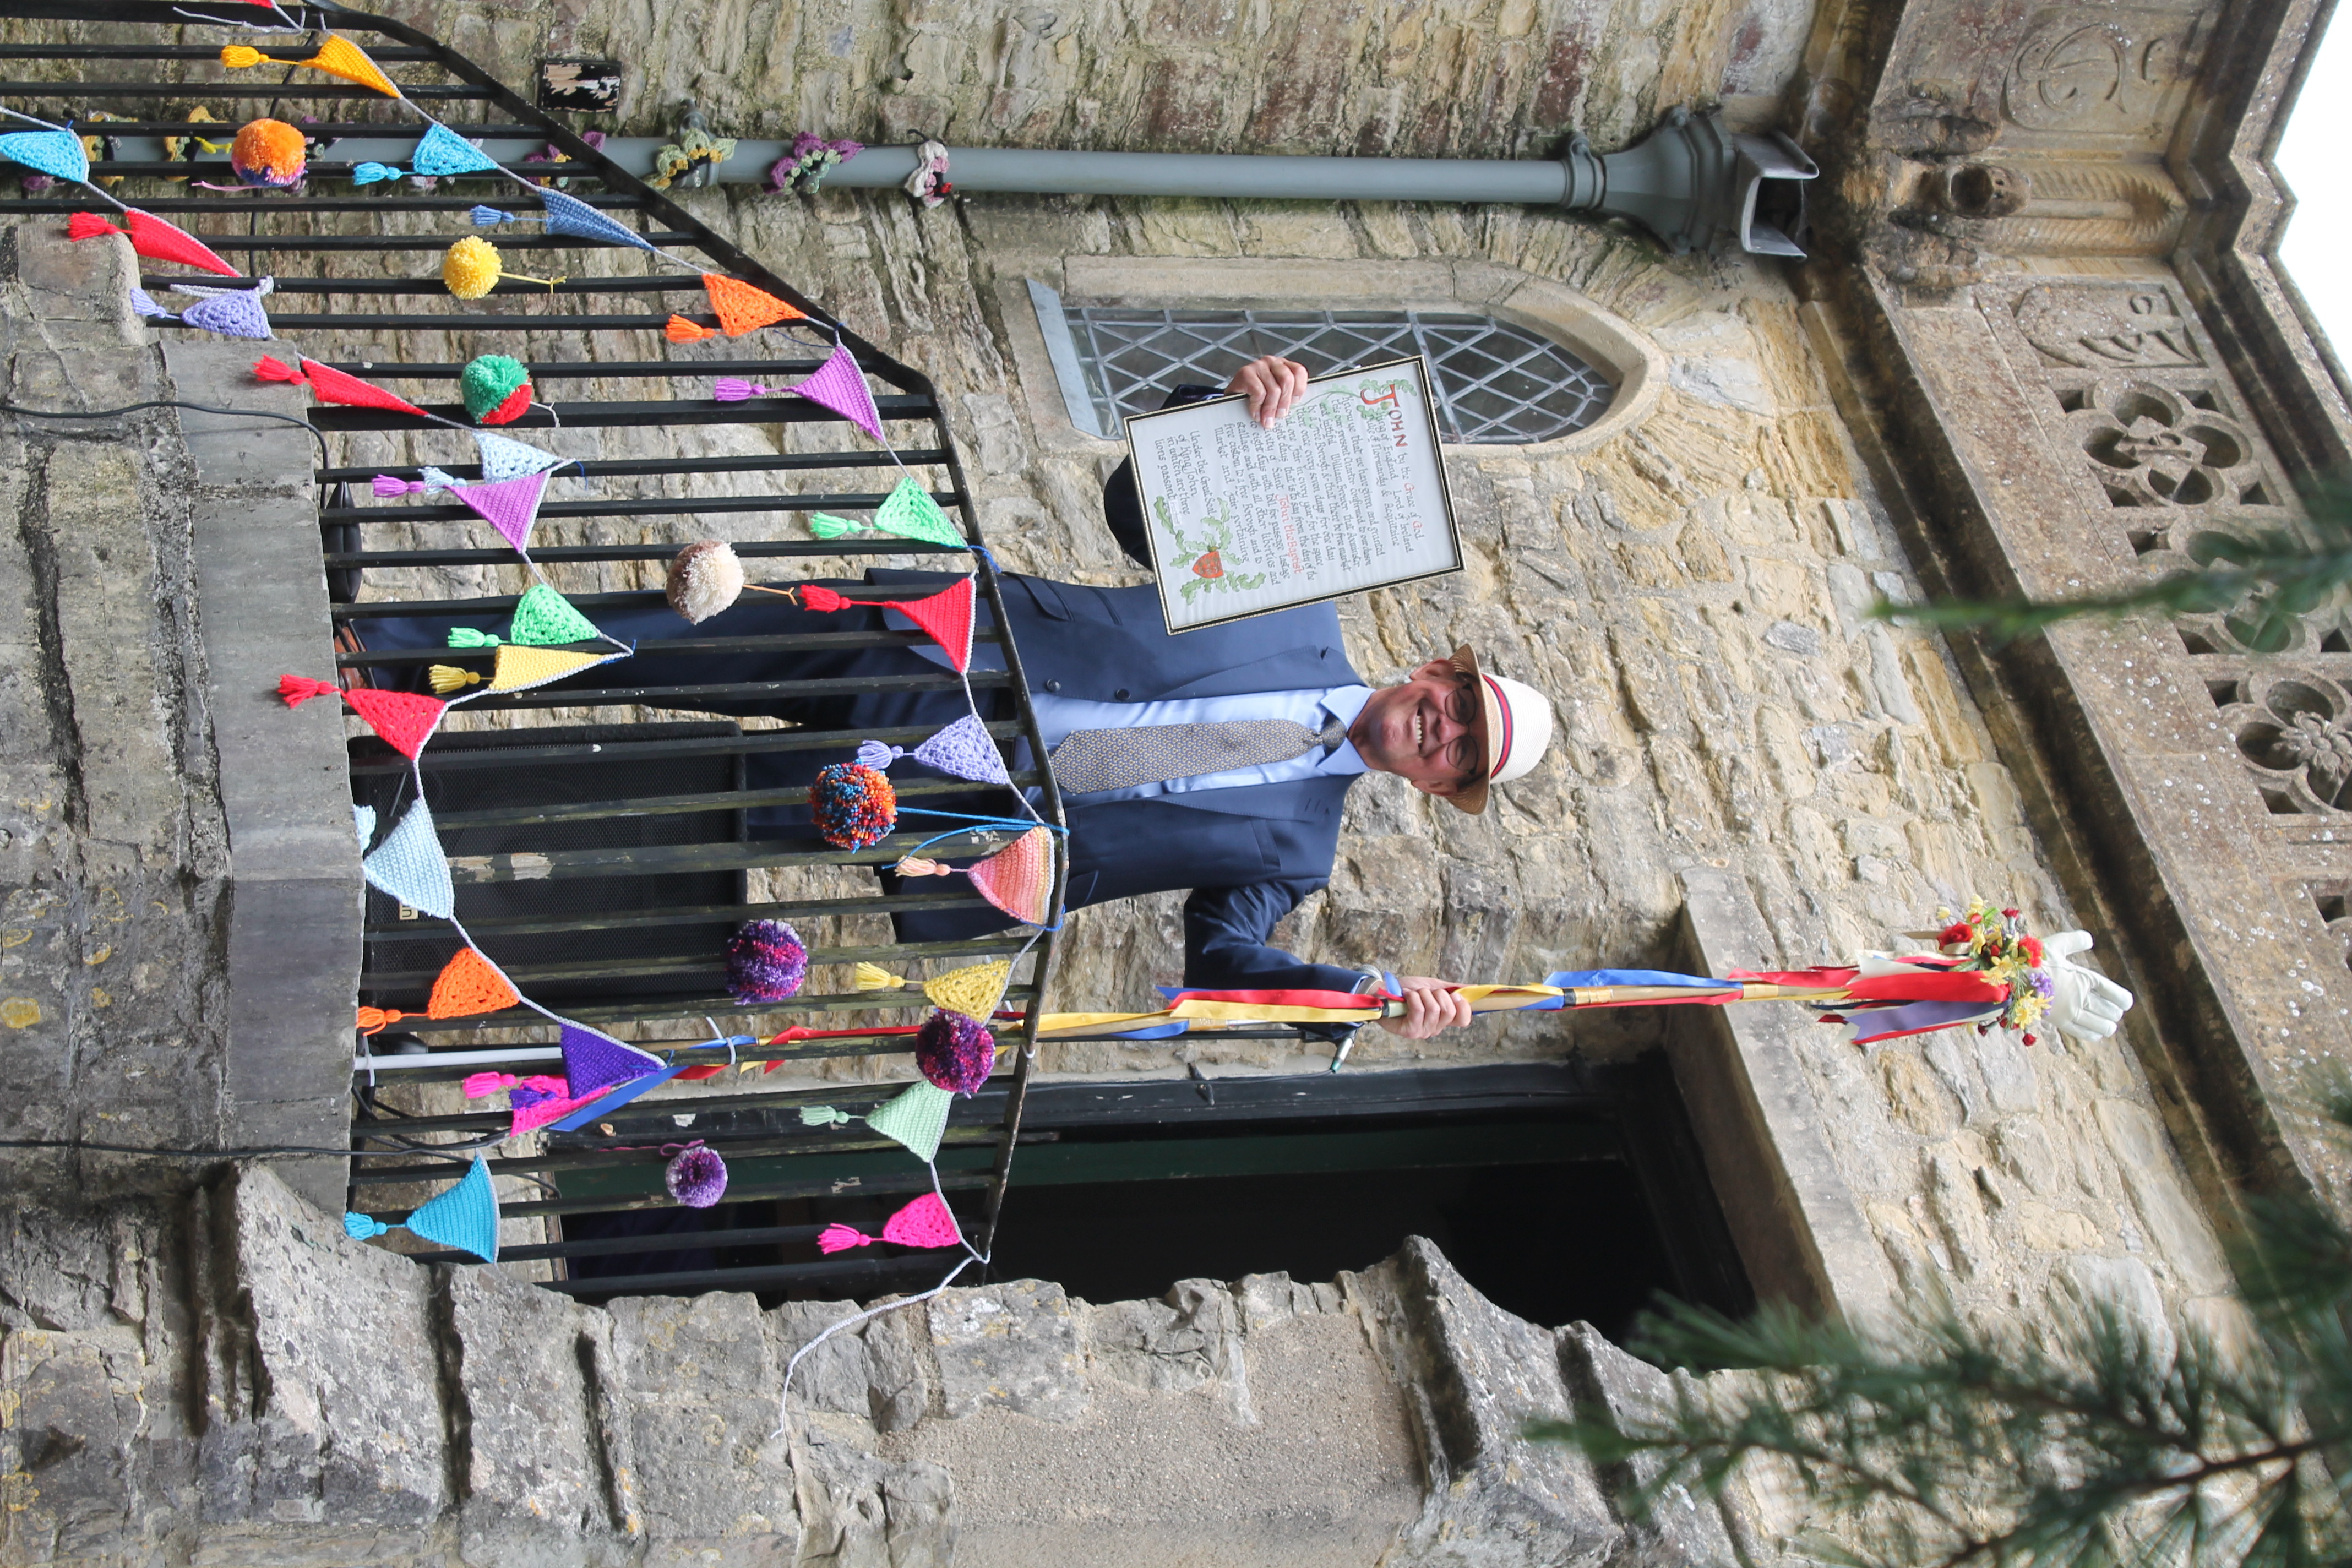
546, 617
908, 512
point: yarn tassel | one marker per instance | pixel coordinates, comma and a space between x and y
826, 526
874, 977
735, 389
268, 369
817, 597
875, 754
681, 331
370, 1019
299, 689
385, 485
369, 173
917, 866
820, 1115
466, 636
445, 678
833, 1239
481, 1083
360, 1227
144, 303
486, 216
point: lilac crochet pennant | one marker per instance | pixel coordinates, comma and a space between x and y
963, 749
593, 1061
409, 864
57, 153
511, 506
840, 385
569, 215
232, 314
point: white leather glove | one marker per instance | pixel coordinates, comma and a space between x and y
2086, 1005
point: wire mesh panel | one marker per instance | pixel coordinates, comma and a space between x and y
605, 832
1494, 382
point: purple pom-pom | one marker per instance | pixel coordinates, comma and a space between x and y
955, 1052
765, 961
698, 1177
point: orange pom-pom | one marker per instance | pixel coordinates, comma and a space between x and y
88, 226
268, 153
681, 331
299, 689
816, 596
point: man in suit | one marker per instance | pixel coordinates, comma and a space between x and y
1250, 838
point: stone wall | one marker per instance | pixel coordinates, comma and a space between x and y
261, 1390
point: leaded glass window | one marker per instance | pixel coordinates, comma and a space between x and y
1494, 382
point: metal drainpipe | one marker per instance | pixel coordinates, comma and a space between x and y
1689, 182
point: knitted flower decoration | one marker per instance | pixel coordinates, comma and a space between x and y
955, 1053
765, 961
853, 806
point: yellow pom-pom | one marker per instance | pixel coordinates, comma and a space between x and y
241, 56
874, 977
471, 267
448, 677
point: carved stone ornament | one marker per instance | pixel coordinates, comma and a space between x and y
2107, 328
2106, 72
2293, 736
2149, 446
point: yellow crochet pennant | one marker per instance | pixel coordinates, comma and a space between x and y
520, 666
336, 56
972, 992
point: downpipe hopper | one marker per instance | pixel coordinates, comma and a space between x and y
1693, 181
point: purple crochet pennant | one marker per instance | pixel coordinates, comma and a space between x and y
593, 1061
234, 313
840, 385
511, 506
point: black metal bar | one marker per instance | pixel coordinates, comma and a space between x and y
587, 415
761, 740
628, 467
855, 1278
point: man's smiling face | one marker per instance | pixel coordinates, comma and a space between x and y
1421, 730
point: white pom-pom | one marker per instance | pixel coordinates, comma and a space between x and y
705, 579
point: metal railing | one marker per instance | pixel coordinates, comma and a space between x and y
357, 280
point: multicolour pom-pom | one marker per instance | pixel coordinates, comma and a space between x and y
853, 806
696, 1177
765, 961
955, 1053
268, 153
496, 390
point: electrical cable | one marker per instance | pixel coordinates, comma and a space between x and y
307, 426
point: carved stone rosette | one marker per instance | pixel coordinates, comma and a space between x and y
2293, 733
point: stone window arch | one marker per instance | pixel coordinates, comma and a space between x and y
1521, 364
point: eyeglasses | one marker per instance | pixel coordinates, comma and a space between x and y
1464, 756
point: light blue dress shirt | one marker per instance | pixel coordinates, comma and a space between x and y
1057, 716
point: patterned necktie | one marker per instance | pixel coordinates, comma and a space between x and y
1091, 759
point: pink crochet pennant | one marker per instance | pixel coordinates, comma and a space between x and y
511, 506
840, 385
926, 1222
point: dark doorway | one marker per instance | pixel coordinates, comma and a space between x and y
1561, 1191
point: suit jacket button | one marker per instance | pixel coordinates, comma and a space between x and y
1053, 686
1119, 696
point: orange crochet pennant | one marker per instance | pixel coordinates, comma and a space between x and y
470, 983
743, 308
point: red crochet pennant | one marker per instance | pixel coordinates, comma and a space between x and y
946, 615
331, 385
154, 238
405, 720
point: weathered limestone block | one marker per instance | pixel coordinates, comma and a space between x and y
1191, 1338
2180, 1234
837, 1375
864, 1512
905, 1379
1475, 1375
1013, 1346
533, 1481
84, 1451
1681, 1529
696, 1383
342, 1422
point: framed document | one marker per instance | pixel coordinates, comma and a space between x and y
1346, 493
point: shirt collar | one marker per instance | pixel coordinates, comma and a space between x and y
1344, 703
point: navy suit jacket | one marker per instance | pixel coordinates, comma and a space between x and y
1249, 855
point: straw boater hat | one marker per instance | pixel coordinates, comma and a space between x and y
1514, 727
